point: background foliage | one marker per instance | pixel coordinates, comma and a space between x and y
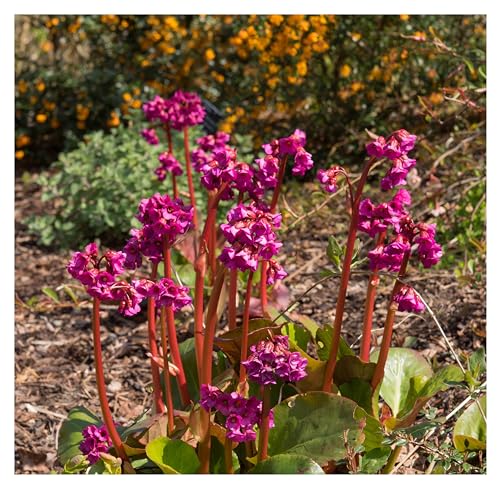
333, 76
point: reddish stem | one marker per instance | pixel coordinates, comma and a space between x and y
389, 324
263, 266
190, 177
371, 294
344, 281
228, 456
200, 267
155, 370
166, 372
244, 330
101, 385
264, 426
206, 369
233, 291
171, 151
172, 333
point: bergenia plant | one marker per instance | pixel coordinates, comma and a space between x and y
267, 393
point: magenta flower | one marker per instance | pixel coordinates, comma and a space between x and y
168, 164
250, 231
275, 272
408, 300
168, 294
376, 148
156, 109
185, 109
428, 250
96, 440
242, 414
374, 219
272, 360
150, 136
303, 162
399, 144
397, 173
328, 178
162, 218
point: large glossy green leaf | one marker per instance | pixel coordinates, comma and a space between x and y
70, 433
287, 464
405, 374
173, 456
313, 424
469, 433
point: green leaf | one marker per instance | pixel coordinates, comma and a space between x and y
469, 433
217, 461
441, 380
51, 293
313, 424
70, 434
477, 363
373, 461
298, 334
405, 373
173, 456
287, 464
324, 344
76, 464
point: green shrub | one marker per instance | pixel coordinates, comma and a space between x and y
93, 191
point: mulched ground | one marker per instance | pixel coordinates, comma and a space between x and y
54, 366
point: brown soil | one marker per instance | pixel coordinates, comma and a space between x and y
54, 366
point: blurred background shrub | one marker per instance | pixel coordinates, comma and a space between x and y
333, 76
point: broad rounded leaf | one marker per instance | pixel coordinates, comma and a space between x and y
405, 373
70, 434
469, 433
314, 424
287, 464
173, 456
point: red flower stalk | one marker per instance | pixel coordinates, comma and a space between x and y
189, 172
371, 294
389, 324
101, 385
264, 426
244, 330
206, 367
344, 280
166, 371
153, 348
172, 333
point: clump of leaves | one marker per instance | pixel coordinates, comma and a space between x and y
94, 189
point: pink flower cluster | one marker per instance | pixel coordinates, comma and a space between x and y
374, 219
328, 178
292, 145
222, 168
103, 283
242, 414
272, 360
408, 300
182, 109
206, 146
150, 136
395, 148
185, 109
168, 164
250, 231
96, 440
162, 219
